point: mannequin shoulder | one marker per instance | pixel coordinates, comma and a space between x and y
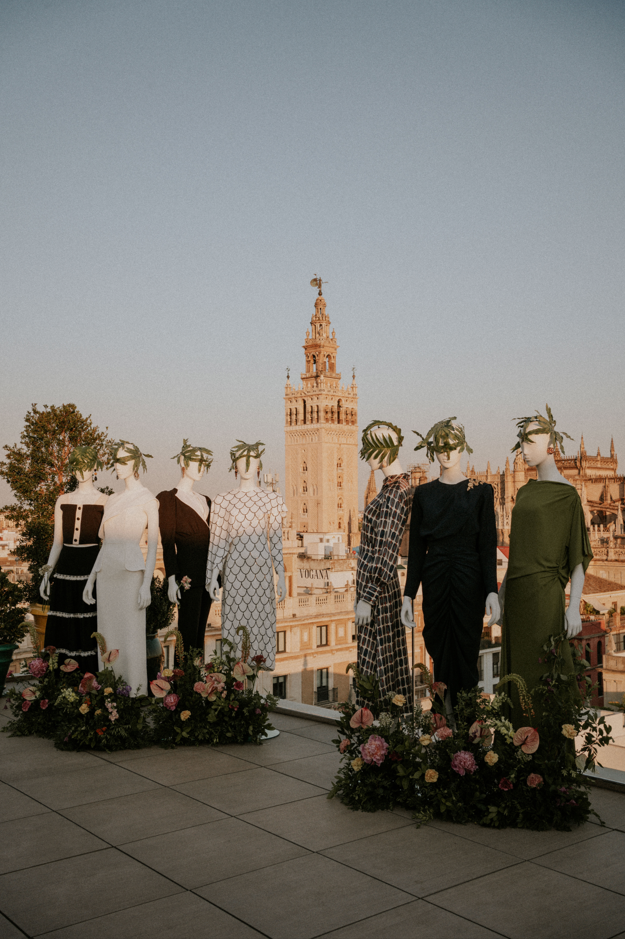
166, 496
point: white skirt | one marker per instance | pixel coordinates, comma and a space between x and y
121, 622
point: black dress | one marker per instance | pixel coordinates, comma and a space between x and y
185, 537
71, 621
453, 552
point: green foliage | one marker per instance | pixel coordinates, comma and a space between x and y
546, 425
251, 451
84, 460
12, 625
133, 455
160, 613
189, 454
380, 446
38, 472
443, 437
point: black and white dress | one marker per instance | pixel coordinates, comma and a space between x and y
70, 620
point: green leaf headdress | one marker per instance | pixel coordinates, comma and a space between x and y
547, 425
134, 455
189, 454
380, 446
84, 460
442, 438
251, 451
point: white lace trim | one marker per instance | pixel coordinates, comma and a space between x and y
70, 577
72, 615
73, 652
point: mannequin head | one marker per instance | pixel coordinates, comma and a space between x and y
380, 444
83, 462
538, 437
84, 476
124, 470
444, 439
449, 458
125, 454
243, 454
248, 468
379, 462
198, 457
536, 449
193, 470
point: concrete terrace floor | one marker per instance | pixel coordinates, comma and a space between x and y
239, 842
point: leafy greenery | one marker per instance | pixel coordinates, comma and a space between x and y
160, 613
380, 446
443, 437
84, 460
133, 454
12, 625
546, 425
251, 451
189, 454
38, 472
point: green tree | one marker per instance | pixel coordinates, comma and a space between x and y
37, 472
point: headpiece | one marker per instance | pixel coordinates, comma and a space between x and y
134, 455
442, 438
380, 446
547, 425
84, 460
251, 451
189, 454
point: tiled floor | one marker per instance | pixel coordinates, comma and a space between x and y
242, 842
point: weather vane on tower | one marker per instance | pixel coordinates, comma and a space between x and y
317, 282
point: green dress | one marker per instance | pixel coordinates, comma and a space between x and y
548, 539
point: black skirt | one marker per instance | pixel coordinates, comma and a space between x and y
71, 621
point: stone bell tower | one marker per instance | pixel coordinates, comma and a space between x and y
321, 437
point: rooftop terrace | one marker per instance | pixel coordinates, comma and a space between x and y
241, 842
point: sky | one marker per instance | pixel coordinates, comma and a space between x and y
173, 174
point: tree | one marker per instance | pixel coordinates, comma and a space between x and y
37, 472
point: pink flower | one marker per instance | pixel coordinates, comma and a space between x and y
259, 659
28, 694
439, 688
241, 670
170, 701
159, 687
344, 745
374, 750
43, 703
185, 583
439, 721
444, 733
238, 686
534, 780
25, 705
480, 731
38, 668
258, 711
109, 657
463, 762
362, 718
69, 665
87, 683
505, 784
527, 738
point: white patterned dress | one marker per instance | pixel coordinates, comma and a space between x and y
246, 548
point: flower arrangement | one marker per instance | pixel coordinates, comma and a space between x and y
33, 709
478, 768
210, 702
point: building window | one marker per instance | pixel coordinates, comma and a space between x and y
353, 625
599, 653
304, 509
340, 482
279, 686
620, 642
496, 656
281, 641
480, 668
218, 647
322, 636
304, 467
323, 684
600, 684
588, 653
304, 486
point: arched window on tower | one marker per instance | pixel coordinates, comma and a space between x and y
340, 524
304, 486
304, 411
314, 362
304, 509
326, 414
304, 467
339, 411
340, 505
327, 363
290, 416
295, 415
339, 463
339, 483
332, 415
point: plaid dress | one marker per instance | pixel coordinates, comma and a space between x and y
382, 647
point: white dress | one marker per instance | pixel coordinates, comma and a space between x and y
246, 548
120, 567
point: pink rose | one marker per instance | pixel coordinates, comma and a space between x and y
444, 733
534, 780
463, 762
505, 784
344, 745
527, 738
25, 705
170, 701
43, 703
238, 686
374, 750
38, 668
362, 718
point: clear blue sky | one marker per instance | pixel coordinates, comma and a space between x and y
173, 174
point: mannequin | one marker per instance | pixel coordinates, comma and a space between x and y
245, 549
77, 518
124, 579
548, 544
453, 551
184, 519
381, 638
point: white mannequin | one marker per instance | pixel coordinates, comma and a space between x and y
125, 471
451, 475
190, 474
362, 609
85, 494
248, 482
535, 452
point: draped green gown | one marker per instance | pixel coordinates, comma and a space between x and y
548, 539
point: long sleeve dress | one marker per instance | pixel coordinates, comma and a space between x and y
453, 553
184, 519
382, 641
548, 539
246, 548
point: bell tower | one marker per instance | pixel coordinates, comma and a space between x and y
321, 437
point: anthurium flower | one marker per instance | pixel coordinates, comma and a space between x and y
362, 718
201, 688
439, 688
109, 657
527, 738
534, 780
28, 694
241, 670
159, 687
87, 683
69, 665
482, 732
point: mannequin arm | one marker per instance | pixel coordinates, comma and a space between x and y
57, 547
281, 588
173, 590
362, 613
213, 588
87, 594
145, 594
407, 613
502, 599
572, 617
492, 609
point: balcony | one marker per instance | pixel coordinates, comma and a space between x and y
242, 842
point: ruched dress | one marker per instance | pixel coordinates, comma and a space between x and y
453, 553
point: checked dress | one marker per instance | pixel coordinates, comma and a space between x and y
382, 647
